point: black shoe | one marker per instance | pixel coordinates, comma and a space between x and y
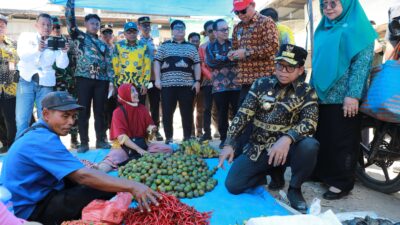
205, 138
74, 142
330, 195
277, 182
3, 149
102, 145
169, 141
159, 137
296, 200
222, 144
216, 135
84, 147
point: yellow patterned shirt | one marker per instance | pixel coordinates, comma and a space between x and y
8, 73
275, 111
131, 64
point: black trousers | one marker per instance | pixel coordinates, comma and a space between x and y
243, 139
154, 100
89, 90
170, 96
109, 107
208, 103
224, 101
340, 147
246, 173
66, 204
8, 124
243, 93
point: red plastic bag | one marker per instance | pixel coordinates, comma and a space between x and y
110, 212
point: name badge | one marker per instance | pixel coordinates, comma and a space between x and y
11, 66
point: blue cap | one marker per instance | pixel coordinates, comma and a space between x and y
130, 25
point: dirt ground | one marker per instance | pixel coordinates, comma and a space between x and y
360, 199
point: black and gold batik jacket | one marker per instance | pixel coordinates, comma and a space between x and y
275, 111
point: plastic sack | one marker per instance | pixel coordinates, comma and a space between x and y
327, 218
109, 212
383, 99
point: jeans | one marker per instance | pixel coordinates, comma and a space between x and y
208, 103
154, 100
170, 96
89, 90
7, 116
246, 173
28, 95
224, 101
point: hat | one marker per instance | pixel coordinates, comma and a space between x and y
61, 101
55, 20
130, 25
3, 18
105, 27
176, 22
241, 4
144, 19
292, 54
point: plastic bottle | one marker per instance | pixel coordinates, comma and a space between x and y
5, 198
315, 207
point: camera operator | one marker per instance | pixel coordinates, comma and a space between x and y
37, 76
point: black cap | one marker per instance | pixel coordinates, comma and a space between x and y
292, 54
3, 18
105, 27
61, 101
144, 19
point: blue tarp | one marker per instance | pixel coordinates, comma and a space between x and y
227, 209
159, 7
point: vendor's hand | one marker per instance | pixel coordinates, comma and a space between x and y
157, 83
279, 151
42, 44
350, 107
196, 87
226, 153
141, 152
144, 195
143, 90
66, 48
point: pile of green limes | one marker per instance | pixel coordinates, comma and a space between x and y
184, 176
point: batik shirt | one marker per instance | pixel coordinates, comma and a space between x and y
93, 55
131, 64
275, 111
151, 49
260, 37
177, 61
8, 74
222, 69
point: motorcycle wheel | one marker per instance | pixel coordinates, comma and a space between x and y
377, 173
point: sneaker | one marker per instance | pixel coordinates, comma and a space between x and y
216, 135
159, 137
84, 147
169, 141
205, 138
103, 145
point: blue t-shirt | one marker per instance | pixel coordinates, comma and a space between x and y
34, 166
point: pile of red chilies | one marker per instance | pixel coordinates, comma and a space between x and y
170, 211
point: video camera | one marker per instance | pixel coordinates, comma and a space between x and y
56, 43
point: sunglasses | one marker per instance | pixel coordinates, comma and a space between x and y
243, 11
224, 30
288, 68
332, 4
56, 27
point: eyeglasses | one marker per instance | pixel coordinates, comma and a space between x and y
145, 25
243, 11
107, 32
288, 68
332, 4
210, 31
179, 28
56, 27
224, 30
131, 31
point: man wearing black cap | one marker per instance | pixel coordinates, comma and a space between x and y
8, 86
107, 35
283, 110
48, 184
153, 93
94, 74
177, 71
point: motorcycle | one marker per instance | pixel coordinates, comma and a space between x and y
379, 155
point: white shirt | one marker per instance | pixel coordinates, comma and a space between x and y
34, 61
